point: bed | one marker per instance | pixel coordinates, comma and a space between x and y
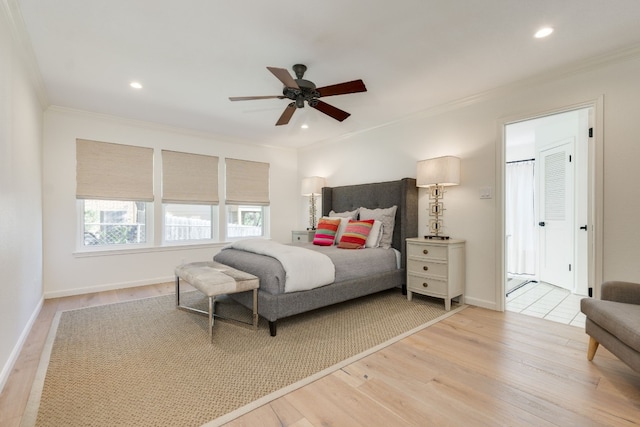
274, 304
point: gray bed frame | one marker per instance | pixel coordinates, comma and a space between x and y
403, 194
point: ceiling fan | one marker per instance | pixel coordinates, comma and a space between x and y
299, 90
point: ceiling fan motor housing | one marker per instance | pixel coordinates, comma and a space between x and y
306, 92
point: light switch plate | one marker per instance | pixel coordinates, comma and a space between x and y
486, 193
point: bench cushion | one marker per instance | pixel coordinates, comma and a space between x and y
213, 278
619, 319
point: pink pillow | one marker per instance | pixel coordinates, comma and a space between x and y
355, 235
326, 231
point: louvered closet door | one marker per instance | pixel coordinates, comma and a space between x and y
556, 214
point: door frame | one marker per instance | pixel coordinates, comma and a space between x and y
595, 194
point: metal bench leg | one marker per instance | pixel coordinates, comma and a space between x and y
211, 307
255, 309
177, 291
211, 313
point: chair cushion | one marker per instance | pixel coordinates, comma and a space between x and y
619, 319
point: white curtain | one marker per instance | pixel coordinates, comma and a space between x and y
520, 218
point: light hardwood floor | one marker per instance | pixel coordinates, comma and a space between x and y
476, 368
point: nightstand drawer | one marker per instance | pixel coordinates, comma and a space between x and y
425, 251
301, 236
429, 268
425, 285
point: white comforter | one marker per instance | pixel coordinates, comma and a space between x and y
305, 269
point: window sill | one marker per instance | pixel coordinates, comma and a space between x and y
146, 249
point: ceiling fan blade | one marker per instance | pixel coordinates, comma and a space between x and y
286, 114
284, 76
332, 111
343, 88
249, 98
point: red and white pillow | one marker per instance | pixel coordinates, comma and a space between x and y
326, 231
356, 233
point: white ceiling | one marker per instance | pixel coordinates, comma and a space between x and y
413, 55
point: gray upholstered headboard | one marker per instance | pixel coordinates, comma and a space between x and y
402, 193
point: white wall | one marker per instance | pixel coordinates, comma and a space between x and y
20, 197
473, 132
65, 271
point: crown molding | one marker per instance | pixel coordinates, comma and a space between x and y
580, 67
593, 63
162, 127
25, 49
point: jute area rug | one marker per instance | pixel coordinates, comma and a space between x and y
145, 363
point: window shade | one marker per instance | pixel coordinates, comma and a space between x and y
189, 178
107, 171
247, 182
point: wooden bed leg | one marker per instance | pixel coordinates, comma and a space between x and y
272, 328
593, 346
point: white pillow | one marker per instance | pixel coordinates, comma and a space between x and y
344, 221
346, 214
343, 225
387, 217
373, 239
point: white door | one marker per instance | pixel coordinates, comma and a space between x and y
556, 220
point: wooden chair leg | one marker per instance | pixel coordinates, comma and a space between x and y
593, 346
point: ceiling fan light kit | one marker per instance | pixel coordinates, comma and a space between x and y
300, 90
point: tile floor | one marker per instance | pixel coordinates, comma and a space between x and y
548, 302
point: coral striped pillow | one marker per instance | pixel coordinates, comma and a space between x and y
355, 235
326, 231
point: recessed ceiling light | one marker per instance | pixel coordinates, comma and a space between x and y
543, 32
305, 126
135, 85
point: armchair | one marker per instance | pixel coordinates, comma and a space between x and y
614, 321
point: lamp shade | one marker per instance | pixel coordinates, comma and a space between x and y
438, 171
312, 185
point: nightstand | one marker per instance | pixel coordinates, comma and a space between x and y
301, 236
436, 268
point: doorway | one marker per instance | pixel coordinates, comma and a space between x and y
547, 212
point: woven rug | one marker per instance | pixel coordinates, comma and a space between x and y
145, 363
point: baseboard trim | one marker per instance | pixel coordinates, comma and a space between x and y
490, 305
13, 357
106, 287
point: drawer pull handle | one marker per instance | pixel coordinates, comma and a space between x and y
425, 285
425, 251
425, 268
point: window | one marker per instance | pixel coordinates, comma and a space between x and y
114, 186
117, 208
247, 198
245, 221
189, 196
114, 222
189, 222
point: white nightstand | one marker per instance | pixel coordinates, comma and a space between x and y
301, 236
436, 268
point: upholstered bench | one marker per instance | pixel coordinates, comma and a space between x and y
214, 279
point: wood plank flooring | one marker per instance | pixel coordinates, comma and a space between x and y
476, 368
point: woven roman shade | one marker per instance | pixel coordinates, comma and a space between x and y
247, 182
189, 178
109, 171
